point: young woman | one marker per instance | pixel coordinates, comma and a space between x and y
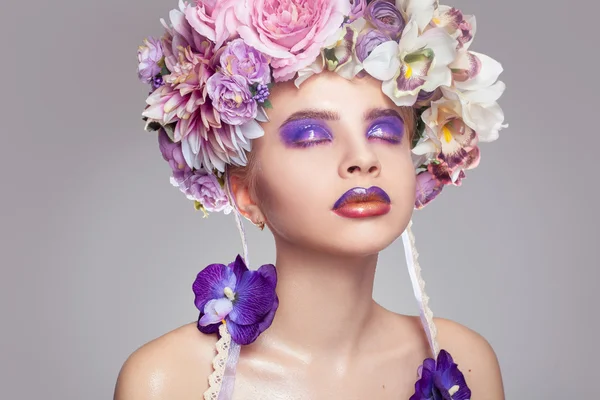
328, 121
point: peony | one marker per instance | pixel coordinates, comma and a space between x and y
357, 9
214, 19
367, 40
149, 55
206, 190
231, 97
291, 31
240, 59
385, 17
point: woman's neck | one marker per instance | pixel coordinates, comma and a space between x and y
325, 301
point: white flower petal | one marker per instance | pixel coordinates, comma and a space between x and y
315, 68
486, 95
425, 147
421, 11
407, 99
438, 76
350, 69
442, 44
251, 129
489, 73
261, 114
488, 120
383, 62
471, 20
408, 40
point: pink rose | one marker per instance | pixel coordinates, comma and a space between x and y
213, 19
291, 31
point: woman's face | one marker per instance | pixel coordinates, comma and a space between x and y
327, 137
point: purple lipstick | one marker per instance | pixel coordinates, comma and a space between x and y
361, 202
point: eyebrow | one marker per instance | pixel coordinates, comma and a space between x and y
375, 113
325, 115
328, 115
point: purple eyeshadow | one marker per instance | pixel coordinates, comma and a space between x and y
390, 129
303, 132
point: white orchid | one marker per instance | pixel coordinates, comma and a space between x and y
418, 62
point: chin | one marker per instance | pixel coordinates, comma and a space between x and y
361, 238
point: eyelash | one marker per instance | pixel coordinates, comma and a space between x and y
394, 139
309, 143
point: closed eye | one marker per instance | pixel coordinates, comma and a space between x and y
305, 133
390, 129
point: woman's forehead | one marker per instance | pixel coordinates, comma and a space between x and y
329, 91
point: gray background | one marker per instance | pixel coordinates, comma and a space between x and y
99, 251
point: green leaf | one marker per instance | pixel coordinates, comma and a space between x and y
253, 89
267, 104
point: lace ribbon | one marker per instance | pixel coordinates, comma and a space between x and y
222, 381
418, 284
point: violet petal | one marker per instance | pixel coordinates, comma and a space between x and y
242, 334
239, 267
444, 361
209, 328
254, 297
268, 319
216, 311
269, 272
211, 283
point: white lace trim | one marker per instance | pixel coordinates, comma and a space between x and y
414, 269
215, 380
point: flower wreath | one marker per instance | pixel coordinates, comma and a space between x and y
212, 70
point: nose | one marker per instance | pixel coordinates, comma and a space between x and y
360, 160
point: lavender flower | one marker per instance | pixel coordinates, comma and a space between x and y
441, 380
149, 55
171, 153
367, 40
384, 16
231, 97
206, 190
240, 59
262, 93
242, 299
357, 9
157, 82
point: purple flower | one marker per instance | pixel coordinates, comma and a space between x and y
157, 82
231, 97
441, 380
385, 17
367, 40
171, 153
357, 9
262, 93
206, 190
149, 55
244, 300
427, 189
240, 59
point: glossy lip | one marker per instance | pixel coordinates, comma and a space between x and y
361, 202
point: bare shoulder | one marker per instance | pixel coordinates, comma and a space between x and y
173, 366
475, 358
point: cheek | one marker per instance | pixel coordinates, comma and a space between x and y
292, 193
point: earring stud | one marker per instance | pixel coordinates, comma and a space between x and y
260, 225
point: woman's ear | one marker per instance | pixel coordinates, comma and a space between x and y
247, 206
